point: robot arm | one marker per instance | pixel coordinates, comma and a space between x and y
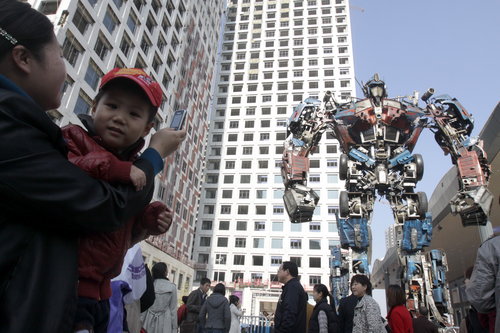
452, 127
306, 125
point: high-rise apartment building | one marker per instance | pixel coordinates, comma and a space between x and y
274, 55
175, 41
390, 237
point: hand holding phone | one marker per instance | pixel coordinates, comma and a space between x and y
178, 119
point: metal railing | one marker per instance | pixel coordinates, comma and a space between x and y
454, 329
255, 324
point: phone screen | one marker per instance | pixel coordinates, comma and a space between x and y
177, 120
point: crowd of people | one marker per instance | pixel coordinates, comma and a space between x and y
74, 200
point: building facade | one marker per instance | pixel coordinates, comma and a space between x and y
274, 55
174, 41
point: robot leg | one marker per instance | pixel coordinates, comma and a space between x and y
424, 274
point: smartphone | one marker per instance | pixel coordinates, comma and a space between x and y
178, 119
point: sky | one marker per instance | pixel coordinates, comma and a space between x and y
450, 45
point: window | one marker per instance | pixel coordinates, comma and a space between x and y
297, 260
83, 104
332, 178
222, 241
314, 262
315, 244
237, 277
314, 178
315, 226
230, 164
244, 194
333, 210
258, 260
295, 243
333, 194
228, 179
240, 242
314, 164
241, 225
245, 179
264, 136
220, 259
102, 47
261, 194
92, 75
203, 258
314, 279
239, 259
205, 241
249, 123
71, 49
260, 226
225, 209
277, 226
227, 194
258, 243
219, 276
296, 227
110, 21
82, 20
332, 227
276, 260
223, 225
261, 179
242, 209
210, 193
260, 210
276, 243
247, 150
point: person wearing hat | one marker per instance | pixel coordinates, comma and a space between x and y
122, 114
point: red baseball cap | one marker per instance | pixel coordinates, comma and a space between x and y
150, 86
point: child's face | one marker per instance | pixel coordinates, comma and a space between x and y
121, 118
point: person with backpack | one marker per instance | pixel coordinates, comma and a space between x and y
324, 318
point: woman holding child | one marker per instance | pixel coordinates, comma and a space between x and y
46, 202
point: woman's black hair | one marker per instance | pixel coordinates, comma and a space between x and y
159, 271
233, 299
29, 27
220, 289
323, 290
363, 280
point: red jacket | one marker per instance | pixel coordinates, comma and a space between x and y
100, 256
400, 320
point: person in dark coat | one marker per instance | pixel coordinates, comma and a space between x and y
290, 315
323, 318
215, 316
346, 313
195, 300
46, 203
421, 324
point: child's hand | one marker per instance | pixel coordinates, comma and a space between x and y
138, 178
167, 140
164, 221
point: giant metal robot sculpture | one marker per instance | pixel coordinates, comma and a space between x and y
377, 136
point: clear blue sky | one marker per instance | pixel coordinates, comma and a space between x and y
450, 45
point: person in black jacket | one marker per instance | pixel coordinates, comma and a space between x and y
323, 318
346, 313
46, 202
290, 315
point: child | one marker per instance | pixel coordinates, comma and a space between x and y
122, 115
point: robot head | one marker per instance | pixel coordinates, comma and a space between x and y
375, 89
